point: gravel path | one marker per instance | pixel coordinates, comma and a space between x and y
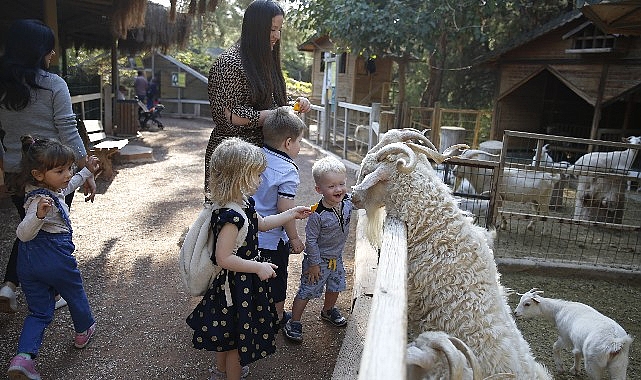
126, 249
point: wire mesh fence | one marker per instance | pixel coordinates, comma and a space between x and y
552, 200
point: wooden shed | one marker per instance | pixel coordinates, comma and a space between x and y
360, 80
570, 78
183, 90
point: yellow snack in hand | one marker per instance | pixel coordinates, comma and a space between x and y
314, 207
297, 109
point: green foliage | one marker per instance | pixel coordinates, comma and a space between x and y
446, 36
297, 88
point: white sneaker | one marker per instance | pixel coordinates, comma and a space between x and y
60, 303
8, 302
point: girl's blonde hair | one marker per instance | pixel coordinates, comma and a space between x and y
235, 167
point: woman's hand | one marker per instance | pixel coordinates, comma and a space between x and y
266, 271
304, 104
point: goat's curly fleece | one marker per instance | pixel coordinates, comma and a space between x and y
453, 282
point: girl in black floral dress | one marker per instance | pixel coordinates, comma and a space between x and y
236, 317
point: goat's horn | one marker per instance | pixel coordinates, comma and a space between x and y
402, 164
471, 358
454, 361
402, 135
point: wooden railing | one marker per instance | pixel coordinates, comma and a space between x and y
379, 314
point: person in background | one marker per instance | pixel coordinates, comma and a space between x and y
122, 93
140, 86
236, 316
283, 131
152, 92
246, 81
35, 102
46, 263
325, 236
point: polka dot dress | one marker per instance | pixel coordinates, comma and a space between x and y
248, 324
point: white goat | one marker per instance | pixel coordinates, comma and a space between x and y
516, 185
453, 282
617, 161
477, 207
546, 160
589, 334
601, 198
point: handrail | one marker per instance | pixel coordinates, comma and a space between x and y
387, 324
85, 98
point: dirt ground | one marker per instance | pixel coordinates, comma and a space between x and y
126, 249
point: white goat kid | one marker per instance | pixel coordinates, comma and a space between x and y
452, 277
602, 342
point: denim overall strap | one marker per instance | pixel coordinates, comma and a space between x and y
56, 200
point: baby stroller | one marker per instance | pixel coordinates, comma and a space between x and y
149, 116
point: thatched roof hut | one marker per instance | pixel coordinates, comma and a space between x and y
136, 25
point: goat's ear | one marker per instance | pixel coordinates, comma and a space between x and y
536, 299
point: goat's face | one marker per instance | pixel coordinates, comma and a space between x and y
529, 304
370, 190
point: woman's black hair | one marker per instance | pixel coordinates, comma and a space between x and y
42, 155
260, 61
28, 42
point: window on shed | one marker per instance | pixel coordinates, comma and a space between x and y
587, 38
342, 64
322, 62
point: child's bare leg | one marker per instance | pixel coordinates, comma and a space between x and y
330, 300
280, 308
221, 361
298, 307
233, 365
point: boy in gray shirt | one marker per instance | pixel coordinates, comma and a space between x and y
326, 233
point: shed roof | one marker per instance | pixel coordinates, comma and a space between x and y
616, 17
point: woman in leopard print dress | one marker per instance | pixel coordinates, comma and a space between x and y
246, 81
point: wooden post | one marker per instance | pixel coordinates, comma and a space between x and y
51, 19
435, 134
115, 81
374, 117
596, 118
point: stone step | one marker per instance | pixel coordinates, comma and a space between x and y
134, 153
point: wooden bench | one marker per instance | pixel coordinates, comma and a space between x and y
97, 143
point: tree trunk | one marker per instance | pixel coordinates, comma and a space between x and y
401, 111
436, 62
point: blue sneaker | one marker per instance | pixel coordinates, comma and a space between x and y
334, 317
293, 330
287, 315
